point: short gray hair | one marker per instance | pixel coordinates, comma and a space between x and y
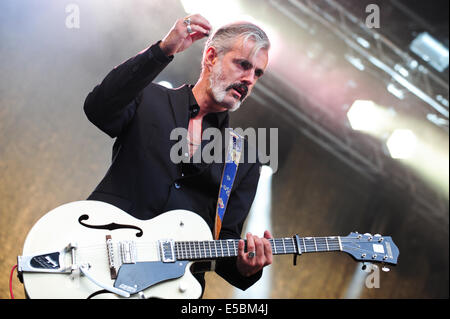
225, 37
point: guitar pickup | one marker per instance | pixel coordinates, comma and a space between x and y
128, 252
167, 251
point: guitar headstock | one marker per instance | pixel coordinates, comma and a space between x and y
370, 248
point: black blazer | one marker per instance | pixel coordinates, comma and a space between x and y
142, 180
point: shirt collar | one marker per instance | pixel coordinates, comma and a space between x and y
220, 118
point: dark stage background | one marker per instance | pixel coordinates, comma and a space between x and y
330, 179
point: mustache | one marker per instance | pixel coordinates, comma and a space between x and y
240, 87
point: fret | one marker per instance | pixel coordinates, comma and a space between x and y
211, 249
294, 250
221, 248
309, 244
195, 249
217, 250
204, 250
178, 250
210, 252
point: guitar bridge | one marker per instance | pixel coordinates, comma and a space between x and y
167, 251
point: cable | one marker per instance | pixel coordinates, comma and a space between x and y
10, 282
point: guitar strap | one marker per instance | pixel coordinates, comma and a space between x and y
234, 150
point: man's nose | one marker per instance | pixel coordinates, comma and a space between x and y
249, 78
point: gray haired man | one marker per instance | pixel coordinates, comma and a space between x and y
142, 180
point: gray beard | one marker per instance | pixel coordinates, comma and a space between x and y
218, 87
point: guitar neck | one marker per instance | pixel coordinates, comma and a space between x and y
214, 249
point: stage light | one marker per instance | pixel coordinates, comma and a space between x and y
442, 99
394, 90
431, 51
363, 42
400, 69
356, 62
402, 144
365, 116
439, 121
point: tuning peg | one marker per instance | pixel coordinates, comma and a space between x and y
377, 235
368, 234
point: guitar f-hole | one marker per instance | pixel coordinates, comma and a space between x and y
110, 226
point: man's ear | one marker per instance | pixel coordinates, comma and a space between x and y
210, 57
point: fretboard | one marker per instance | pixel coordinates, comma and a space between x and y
190, 250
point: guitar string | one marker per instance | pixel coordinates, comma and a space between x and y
279, 246
188, 255
278, 243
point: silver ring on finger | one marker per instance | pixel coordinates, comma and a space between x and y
187, 22
251, 254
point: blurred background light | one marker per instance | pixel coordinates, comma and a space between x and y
431, 51
402, 143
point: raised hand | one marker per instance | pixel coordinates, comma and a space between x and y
184, 33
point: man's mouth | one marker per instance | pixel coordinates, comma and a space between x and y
239, 91
236, 94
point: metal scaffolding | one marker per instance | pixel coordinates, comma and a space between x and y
386, 61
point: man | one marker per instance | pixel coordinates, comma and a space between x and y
142, 179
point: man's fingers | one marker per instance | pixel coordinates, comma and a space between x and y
250, 243
259, 247
198, 19
267, 252
197, 36
241, 245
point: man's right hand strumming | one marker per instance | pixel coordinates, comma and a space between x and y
185, 32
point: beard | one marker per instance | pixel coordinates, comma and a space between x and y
220, 89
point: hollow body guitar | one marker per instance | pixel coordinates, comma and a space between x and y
91, 249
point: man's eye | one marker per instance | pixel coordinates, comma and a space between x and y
245, 65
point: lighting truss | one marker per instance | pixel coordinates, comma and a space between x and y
369, 45
366, 155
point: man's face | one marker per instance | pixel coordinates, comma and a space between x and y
235, 73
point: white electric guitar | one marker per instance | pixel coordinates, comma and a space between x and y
89, 249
